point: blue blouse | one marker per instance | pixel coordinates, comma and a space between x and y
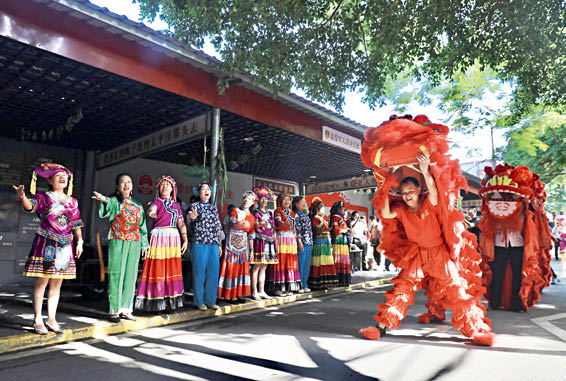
303, 226
206, 227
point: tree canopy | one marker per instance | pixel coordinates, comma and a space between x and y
329, 47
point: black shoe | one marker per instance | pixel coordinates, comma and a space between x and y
114, 319
382, 331
516, 309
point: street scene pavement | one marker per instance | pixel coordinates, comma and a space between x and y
314, 339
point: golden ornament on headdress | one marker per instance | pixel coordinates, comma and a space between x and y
70, 188
33, 184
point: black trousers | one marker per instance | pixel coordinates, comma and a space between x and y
502, 255
556, 247
376, 254
363, 246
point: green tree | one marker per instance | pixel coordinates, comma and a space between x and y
329, 47
538, 141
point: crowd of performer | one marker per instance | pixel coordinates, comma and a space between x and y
257, 254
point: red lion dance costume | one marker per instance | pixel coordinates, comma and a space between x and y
445, 263
513, 202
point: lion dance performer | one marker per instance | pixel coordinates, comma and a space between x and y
544, 234
515, 241
423, 232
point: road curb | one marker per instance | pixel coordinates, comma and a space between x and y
101, 329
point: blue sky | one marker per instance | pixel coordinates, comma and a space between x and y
354, 108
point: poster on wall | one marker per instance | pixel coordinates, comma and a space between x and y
21, 255
9, 212
10, 172
27, 225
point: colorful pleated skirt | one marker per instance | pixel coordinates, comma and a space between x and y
161, 282
265, 251
50, 259
285, 275
323, 272
234, 279
341, 254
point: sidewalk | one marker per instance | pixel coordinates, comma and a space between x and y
88, 319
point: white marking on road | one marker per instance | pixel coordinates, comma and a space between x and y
545, 323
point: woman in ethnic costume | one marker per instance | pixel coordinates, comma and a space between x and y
206, 249
323, 272
51, 258
234, 280
303, 227
126, 239
265, 248
161, 284
284, 278
340, 250
561, 230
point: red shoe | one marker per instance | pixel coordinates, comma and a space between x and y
373, 333
484, 338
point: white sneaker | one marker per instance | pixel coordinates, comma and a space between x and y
301, 291
202, 307
307, 289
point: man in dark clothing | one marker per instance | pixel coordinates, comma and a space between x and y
471, 222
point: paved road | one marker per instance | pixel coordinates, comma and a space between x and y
317, 339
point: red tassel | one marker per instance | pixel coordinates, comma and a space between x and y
370, 333
484, 338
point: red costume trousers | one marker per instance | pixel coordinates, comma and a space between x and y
444, 287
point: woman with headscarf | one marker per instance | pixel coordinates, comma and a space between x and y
234, 280
52, 256
340, 249
303, 227
161, 284
126, 239
265, 248
206, 249
284, 278
323, 272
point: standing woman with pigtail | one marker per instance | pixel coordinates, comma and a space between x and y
127, 238
284, 278
303, 227
161, 284
340, 248
57, 242
265, 248
323, 272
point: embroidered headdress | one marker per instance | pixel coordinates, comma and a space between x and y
170, 180
47, 170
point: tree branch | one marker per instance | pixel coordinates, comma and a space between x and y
333, 13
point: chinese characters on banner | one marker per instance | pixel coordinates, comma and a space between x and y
341, 140
342, 185
166, 137
276, 186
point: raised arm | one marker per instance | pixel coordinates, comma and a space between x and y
26, 203
386, 211
424, 165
